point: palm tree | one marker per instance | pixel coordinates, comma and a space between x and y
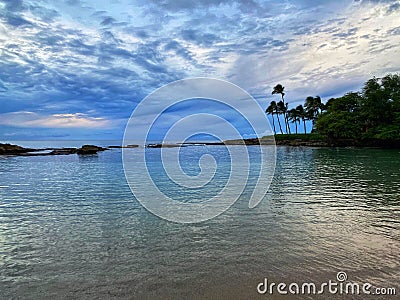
314, 107
270, 111
302, 115
279, 89
319, 105
294, 116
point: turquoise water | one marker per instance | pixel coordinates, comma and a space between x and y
70, 228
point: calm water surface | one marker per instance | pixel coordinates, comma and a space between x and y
70, 228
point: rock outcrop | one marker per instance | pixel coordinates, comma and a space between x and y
127, 146
8, 149
89, 149
165, 145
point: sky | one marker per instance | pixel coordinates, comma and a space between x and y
76, 69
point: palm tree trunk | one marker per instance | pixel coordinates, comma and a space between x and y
295, 123
279, 122
273, 123
304, 123
286, 117
288, 123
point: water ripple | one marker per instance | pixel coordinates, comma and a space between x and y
70, 228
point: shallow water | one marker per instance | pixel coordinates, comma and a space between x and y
70, 228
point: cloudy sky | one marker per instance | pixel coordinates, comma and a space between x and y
76, 69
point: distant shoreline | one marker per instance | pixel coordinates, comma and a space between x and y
316, 140
292, 140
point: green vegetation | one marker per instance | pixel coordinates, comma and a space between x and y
373, 113
371, 116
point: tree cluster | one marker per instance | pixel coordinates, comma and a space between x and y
312, 108
373, 113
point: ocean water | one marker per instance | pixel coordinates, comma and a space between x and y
70, 228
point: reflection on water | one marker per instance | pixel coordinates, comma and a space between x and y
69, 227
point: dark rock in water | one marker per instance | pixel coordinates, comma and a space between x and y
164, 145
63, 151
154, 145
8, 149
89, 149
203, 143
127, 146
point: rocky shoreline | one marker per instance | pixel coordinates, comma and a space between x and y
358, 143
15, 150
9, 149
301, 143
